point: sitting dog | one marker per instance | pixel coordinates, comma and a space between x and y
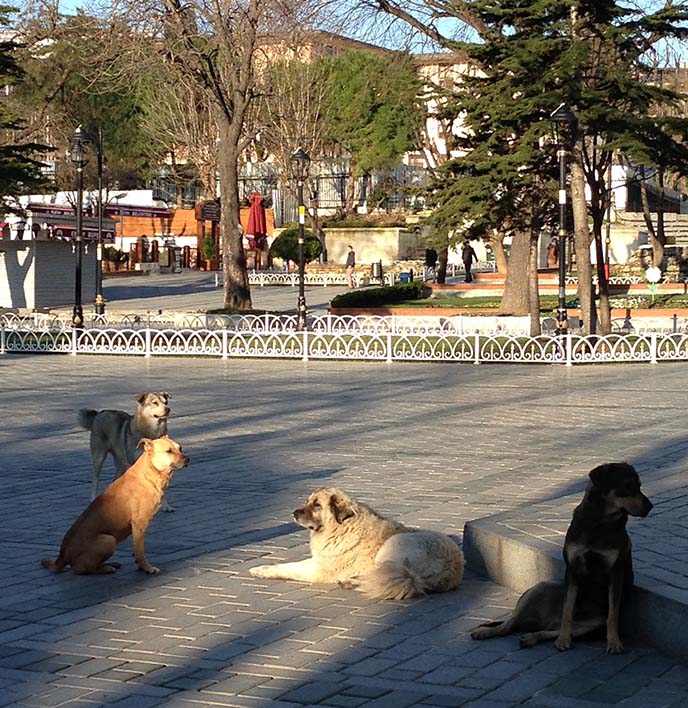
118, 433
599, 569
357, 548
125, 508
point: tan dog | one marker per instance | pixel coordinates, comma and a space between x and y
125, 508
118, 433
357, 548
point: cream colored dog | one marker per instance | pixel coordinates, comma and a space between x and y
356, 547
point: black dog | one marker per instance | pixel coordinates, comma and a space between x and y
597, 553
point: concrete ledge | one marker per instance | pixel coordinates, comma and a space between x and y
494, 547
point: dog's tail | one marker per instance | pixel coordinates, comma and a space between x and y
54, 566
392, 581
86, 418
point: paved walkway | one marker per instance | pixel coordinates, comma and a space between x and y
191, 291
433, 445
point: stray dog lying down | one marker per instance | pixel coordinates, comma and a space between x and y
125, 508
599, 569
354, 546
118, 433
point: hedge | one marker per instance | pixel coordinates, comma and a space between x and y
379, 297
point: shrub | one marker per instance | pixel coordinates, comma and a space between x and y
110, 253
286, 245
379, 297
208, 247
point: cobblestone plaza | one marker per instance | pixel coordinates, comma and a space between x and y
433, 445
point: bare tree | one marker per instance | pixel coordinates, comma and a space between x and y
180, 119
291, 115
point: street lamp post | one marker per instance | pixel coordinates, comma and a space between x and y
78, 141
560, 117
117, 197
300, 162
100, 301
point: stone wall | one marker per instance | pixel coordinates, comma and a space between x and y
388, 244
40, 273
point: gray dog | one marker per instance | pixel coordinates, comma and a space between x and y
118, 433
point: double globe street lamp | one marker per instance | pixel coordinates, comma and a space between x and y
79, 142
300, 162
562, 118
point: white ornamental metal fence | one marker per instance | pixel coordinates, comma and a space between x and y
349, 342
275, 323
263, 278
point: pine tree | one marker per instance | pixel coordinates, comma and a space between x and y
20, 170
533, 56
374, 112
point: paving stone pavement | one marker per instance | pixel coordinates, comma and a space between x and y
431, 444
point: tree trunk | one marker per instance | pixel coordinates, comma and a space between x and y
442, 259
350, 190
657, 236
515, 300
316, 227
533, 282
237, 292
581, 237
602, 287
497, 243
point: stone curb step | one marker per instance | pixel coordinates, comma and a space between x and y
495, 547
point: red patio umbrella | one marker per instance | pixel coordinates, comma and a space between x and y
256, 230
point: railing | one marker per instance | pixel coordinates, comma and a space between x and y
365, 339
262, 278
333, 324
269, 324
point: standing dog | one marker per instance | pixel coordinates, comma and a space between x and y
599, 569
354, 546
125, 508
118, 433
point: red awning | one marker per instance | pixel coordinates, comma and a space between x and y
257, 223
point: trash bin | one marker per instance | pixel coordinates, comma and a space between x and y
177, 259
376, 271
404, 277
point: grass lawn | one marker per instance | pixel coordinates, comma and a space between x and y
548, 303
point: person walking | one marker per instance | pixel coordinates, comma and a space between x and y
350, 266
468, 256
553, 253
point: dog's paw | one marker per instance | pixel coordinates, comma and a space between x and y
261, 571
478, 633
525, 641
615, 646
149, 569
562, 643
348, 583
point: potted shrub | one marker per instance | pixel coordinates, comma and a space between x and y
286, 245
209, 251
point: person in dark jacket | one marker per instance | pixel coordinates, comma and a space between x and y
350, 266
468, 256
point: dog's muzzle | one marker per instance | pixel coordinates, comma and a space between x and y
641, 506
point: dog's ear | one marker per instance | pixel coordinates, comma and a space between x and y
141, 398
342, 508
601, 477
146, 442
166, 396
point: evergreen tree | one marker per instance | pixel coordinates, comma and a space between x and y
535, 55
374, 110
20, 170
